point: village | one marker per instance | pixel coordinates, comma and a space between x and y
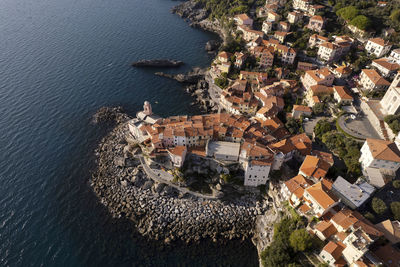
321, 131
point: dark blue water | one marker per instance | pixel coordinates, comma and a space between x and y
61, 60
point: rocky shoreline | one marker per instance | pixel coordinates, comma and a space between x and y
159, 211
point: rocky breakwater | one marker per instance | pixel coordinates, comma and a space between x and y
159, 211
197, 15
162, 63
195, 84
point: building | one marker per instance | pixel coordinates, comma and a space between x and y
370, 80
249, 34
379, 158
390, 102
305, 66
314, 168
286, 54
319, 199
385, 66
273, 16
316, 23
332, 253
267, 26
395, 55
293, 189
378, 47
283, 26
353, 195
294, 16
240, 58
280, 36
224, 57
324, 230
177, 155
390, 229
265, 56
243, 19
223, 151
299, 110
328, 52
319, 91
256, 172
302, 5
342, 72
316, 40
341, 95
317, 77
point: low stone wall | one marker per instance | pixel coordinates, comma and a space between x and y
161, 212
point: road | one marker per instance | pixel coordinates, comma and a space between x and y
166, 178
213, 90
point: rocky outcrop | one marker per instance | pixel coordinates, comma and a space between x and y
110, 114
164, 63
211, 45
193, 11
159, 211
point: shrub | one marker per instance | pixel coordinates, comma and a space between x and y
221, 82
395, 208
318, 108
395, 15
394, 123
292, 125
322, 127
396, 184
369, 216
378, 206
300, 240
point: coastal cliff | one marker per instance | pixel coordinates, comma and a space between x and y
198, 17
161, 212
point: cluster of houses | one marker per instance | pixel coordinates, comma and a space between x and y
257, 146
350, 239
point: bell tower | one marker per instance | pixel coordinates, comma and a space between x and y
147, 108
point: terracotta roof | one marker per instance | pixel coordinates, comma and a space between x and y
391, 230
328, 157
342, 92
387, 64
302, 108
304, 208
224, 54
334, 249
317, 18
326, 228
297, 182
343, 70
314, 167
321, 195
345, 218
378, 41
178, 150
329, 45
388, 254
243, 17
284, 146
384, 150
302, 143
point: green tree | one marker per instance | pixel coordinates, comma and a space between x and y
348, 13
322, 127
369, 216
395, 208
395, 15
292, 125
300, 240
318, 108
396, 184
361, 22
378, 205
275, 255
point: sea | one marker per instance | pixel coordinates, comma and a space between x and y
60, 61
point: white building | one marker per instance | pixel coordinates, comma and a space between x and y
243, 19
256, 172
177, 155
385, 66
379, 156
224, 151
353, 195
327, 51
372, 81
378, 47
395, 55
390, 102
267, 26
